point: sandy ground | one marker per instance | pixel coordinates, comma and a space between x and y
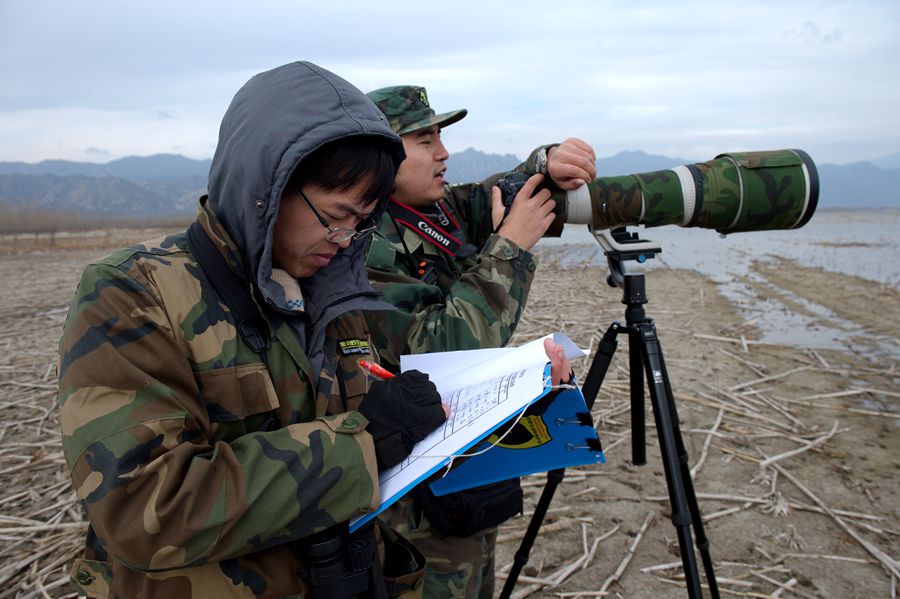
817, 521
744, 402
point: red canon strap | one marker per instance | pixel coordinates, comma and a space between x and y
436, 230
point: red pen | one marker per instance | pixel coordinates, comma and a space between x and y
379, 372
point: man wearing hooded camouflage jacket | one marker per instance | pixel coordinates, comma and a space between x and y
459, 272
206, 467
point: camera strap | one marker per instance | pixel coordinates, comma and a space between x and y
439, 229
234, 291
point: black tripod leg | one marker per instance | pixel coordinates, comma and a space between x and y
636, 387
599, 366
554, 477
690, 495
681, 514
591, 387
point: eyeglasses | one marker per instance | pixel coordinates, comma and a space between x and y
340, 234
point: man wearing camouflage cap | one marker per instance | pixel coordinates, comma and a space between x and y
459, 272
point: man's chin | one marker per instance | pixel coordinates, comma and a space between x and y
303, 271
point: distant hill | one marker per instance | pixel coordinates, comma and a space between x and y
132, 168
162, 185
858, 185
631, 162
474, 165
168, 185
101, 196
892, 161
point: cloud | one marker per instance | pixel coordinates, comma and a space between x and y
810, 33
681, 78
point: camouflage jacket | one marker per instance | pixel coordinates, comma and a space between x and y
193, 460
457, 303
201, 469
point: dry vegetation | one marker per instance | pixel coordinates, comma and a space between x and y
41, 524
794, 452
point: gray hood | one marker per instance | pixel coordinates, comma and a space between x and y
274, 121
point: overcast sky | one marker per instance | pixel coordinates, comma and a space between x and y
99, 80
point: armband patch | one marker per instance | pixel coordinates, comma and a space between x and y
353, 347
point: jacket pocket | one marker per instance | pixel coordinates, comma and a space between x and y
404, 566
342, 383
91, 578
233, 394
353, 382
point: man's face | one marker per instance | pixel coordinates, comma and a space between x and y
420, 178
299, 245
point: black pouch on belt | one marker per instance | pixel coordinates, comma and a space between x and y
464, 513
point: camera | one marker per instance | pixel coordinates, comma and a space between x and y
511, 184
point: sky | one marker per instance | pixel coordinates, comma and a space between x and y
99, 80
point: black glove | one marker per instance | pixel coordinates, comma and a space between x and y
401, 412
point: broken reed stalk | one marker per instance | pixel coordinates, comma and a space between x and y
560, 576
799, 450
706, 443
628, 555
889, 563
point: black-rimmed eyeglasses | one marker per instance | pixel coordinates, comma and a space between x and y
340, 234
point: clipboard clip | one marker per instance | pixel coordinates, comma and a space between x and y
590, 444
582, 418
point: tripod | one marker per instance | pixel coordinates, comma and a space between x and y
644, 355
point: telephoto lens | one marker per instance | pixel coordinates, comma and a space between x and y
736, 191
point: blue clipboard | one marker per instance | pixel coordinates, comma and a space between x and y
559, 435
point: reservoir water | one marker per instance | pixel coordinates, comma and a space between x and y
864, 244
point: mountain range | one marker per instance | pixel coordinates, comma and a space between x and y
168, 185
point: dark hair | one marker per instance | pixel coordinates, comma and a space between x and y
343, 163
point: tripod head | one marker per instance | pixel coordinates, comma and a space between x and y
619, 245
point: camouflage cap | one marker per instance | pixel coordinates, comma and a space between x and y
407, 108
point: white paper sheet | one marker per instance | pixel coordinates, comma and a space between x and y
483, 388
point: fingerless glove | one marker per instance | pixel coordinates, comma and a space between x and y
401, 412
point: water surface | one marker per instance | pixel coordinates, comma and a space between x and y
864, 244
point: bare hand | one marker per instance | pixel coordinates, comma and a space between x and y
571, 164
529, 216
560, 367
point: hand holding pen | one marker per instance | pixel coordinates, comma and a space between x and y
382, 374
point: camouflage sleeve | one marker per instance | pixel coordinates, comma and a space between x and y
480, 309
160, 491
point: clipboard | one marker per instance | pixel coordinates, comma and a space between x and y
561, 435
484, 388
